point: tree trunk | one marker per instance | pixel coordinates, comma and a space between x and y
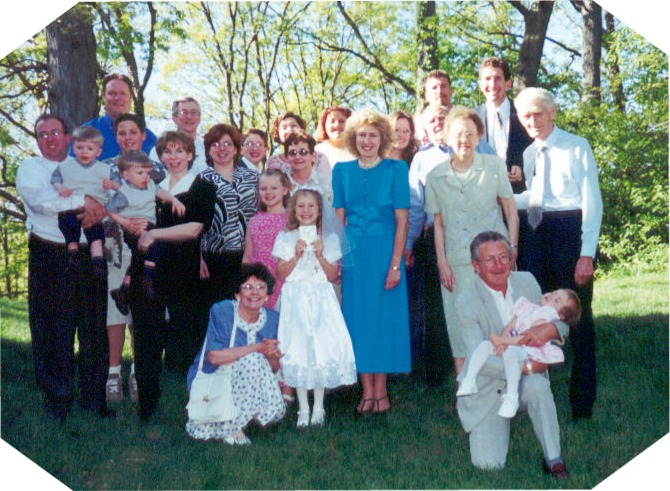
592, 34
612, 64
536, 19
72, 66
426, 40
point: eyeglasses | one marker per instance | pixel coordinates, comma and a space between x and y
491, 260
224, 144
187, 112
259, 287
468, 136
302, 151
253, 144
43, 135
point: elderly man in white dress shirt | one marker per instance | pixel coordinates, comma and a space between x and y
565, 210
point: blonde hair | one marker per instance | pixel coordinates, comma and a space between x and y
285, 181
378, 121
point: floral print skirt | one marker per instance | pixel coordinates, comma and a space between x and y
256, 394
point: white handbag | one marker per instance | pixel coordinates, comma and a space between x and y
211, 396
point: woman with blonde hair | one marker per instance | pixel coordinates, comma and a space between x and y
371, 196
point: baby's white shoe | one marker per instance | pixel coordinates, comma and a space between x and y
467, 387
509, 406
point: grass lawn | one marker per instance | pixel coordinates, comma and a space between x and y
419, 445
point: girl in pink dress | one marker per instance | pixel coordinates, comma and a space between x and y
562, 304
274, 188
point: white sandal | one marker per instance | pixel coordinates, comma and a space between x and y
303, 419
238, 438
318, 417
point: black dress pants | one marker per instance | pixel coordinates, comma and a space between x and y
551, 253
63, 302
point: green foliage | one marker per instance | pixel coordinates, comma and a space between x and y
631, 150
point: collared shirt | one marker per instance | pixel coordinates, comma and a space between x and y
573, 177
41, 200
249, 164
504, 303
199, 160
492, 122
314, 181
423, 163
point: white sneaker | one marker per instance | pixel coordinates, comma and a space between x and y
509, 406
467, 387
114, 388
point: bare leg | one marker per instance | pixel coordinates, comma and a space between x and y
382, 403
368, 383
96, 248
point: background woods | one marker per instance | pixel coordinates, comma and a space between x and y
248, 61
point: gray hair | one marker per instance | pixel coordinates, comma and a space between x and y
488, 236
530, 95
175, 104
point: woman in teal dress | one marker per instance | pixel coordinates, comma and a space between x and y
371, 196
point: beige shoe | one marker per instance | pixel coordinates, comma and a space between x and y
114, 388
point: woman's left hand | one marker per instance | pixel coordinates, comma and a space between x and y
392, 279
145, 240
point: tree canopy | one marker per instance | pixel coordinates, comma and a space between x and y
246, 62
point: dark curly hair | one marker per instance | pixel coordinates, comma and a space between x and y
258, 270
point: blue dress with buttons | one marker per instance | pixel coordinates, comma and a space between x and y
377, 319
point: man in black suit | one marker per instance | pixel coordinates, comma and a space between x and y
504, 131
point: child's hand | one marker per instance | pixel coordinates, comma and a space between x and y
145, 241
318, 247
300, 247
204, 270
65, 193
109, 184
178, 207
499, 349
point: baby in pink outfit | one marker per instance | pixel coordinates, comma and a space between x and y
562, 304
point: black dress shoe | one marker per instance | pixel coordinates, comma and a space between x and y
557, 471
106, 413
581, 414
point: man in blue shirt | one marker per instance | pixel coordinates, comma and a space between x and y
117, 97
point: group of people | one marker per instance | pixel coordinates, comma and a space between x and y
391, 241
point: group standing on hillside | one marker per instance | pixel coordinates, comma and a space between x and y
383, 246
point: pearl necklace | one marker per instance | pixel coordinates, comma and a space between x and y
363, 165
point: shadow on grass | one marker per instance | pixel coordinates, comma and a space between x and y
419, 444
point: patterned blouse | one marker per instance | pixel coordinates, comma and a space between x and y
236, 204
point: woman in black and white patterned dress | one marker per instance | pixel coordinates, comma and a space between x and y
236, 203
